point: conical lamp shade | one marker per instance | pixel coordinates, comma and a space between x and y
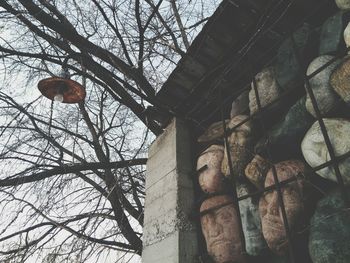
71, 90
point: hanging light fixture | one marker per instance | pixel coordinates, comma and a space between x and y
61, 88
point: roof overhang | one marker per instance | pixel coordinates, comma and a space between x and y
240, 38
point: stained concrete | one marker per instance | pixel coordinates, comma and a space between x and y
169, 235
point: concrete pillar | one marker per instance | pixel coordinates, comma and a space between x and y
168, 234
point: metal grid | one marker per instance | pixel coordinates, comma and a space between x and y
334, 160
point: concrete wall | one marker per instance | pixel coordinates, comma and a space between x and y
168, 235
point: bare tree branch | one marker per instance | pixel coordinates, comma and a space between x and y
70, 169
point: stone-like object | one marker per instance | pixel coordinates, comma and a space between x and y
343, 4
213, 132
240, 105
267, 87
240, 146
287, 69
320, 84
331, 38
283, 140
340, 80
346, 35
293, 198
256, 171
297, 120
220, 228
211, 179
251, 223
330, 230
279, 259
315, 150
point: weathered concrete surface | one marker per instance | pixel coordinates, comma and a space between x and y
168, 234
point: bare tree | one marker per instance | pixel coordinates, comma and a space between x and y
72, 176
